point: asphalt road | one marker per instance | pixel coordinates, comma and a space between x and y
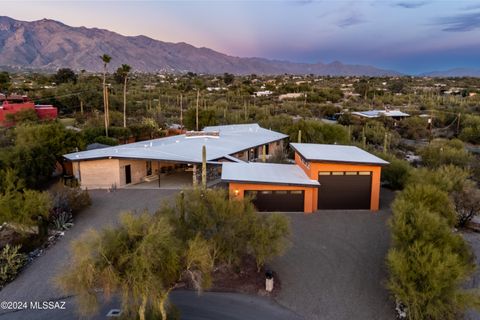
208, 306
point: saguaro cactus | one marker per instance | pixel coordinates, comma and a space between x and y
204, 167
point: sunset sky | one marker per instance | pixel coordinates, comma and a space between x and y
408, 36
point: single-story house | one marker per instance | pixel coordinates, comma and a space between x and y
371, 114
323, 177
175, 156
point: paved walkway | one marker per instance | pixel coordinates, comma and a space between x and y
335, 268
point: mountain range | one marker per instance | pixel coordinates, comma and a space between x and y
48, 45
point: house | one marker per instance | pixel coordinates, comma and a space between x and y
394, 114
323, 177
14, 103
175, 157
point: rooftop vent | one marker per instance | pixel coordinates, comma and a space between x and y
202, 134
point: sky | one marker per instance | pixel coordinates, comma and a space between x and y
407, 36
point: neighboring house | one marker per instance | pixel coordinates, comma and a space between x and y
395, 114
179, 155
323, 177
287, 96
13, 104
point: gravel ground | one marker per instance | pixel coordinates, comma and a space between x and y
335, 268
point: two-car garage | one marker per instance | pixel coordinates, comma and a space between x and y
324, 177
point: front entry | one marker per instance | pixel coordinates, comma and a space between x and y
128, 174
277, 200
344, 190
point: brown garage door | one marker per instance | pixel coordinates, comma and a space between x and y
277, 200
344, 190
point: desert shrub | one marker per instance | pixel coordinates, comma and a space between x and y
428, 263
106, 140
11, 261
448, 178
467, 204
396, 174
233, 227
444, 152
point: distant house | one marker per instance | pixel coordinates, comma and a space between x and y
262, 93
370, 114
15, 103
287, 96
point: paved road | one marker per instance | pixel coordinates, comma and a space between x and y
336, 265
208, 306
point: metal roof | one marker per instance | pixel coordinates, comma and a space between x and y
378, 113
269, 173
181, 148
336, 153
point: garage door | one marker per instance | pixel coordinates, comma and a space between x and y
277, 200
344, 190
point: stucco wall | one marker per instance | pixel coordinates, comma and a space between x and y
315, 167
138, 170
97, 174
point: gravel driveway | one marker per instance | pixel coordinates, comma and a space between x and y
335, 268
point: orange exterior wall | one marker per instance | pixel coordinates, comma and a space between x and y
315, 167
237, 191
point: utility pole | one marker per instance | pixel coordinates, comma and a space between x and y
181, 112
196, 111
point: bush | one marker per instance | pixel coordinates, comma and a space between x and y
443, 152
106, 140
448, 178
71, 199
232, 227
428, 263
11, 261
467, 204
396, 174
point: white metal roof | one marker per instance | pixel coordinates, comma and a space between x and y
336, 153
269, 173
378, 113
231, 140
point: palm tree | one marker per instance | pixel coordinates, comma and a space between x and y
123, 71
106, 60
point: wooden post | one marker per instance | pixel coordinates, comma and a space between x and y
204, 167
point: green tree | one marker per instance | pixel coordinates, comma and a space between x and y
65, 75
141, 260
4, 81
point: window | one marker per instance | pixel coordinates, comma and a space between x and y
281, 192
364, 173
338, 173
267, 192
324, 173
351, 173
296, 192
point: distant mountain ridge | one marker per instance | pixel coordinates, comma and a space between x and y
456, 72
49, 45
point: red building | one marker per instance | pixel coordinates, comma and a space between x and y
15, 103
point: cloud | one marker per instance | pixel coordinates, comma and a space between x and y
460, 23
350, 20
411, 4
